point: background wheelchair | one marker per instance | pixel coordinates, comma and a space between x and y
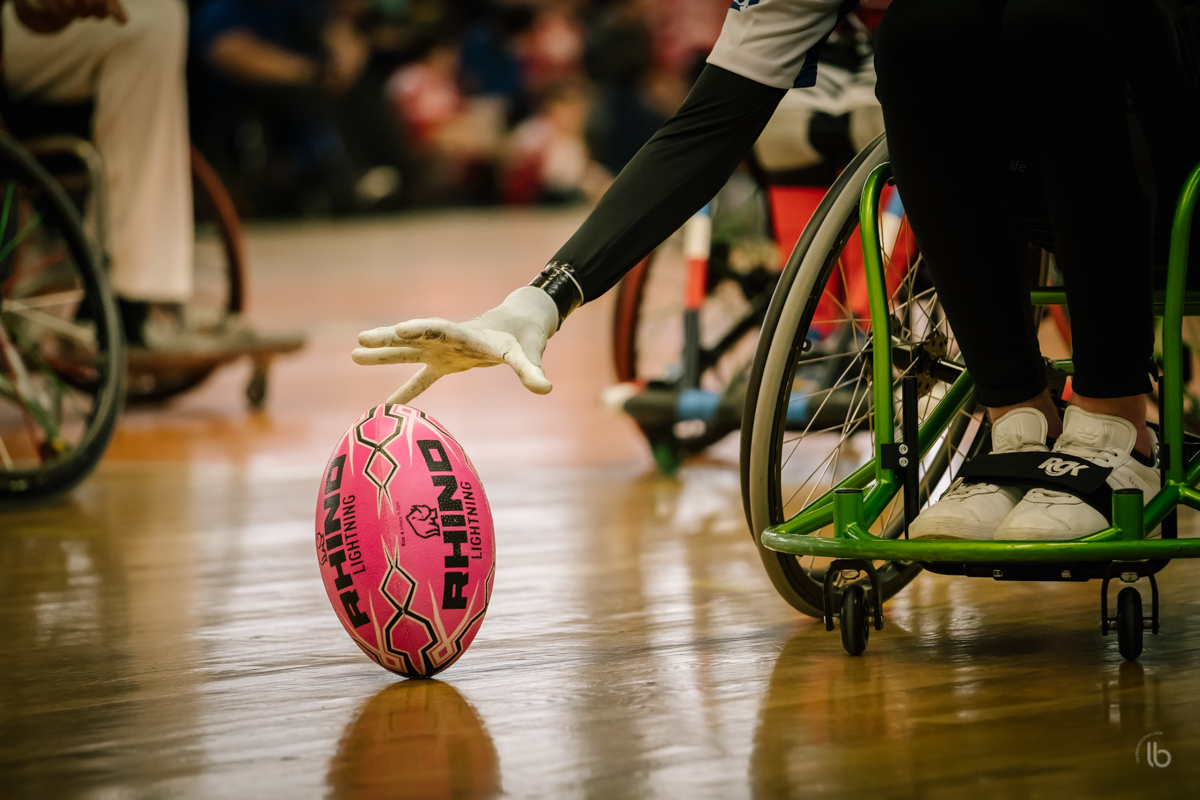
66, 372
828, 485
686, 321
57, 136
687, 318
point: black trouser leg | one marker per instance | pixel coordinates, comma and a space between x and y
946, 134
1077, 101
1090, 90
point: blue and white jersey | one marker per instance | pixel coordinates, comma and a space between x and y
777, 42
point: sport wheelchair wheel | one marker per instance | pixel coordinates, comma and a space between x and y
62, 369
808, 412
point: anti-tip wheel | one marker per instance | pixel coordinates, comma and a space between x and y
668, 455
853, 619
1129, 623
256, 389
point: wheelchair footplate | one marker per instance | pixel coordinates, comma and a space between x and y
157, 374
1122, 550
859, 503
1118, 552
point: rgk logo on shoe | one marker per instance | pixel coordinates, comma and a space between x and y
1056, 467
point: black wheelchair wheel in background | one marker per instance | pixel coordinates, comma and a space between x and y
62, 355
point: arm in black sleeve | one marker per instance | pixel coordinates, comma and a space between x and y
680, 169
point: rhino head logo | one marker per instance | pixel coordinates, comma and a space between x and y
424, 521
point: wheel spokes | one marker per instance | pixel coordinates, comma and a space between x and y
916, 318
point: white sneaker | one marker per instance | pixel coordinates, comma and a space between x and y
1104, 440
974, 510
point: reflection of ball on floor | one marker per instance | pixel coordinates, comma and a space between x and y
418, 739
405, 542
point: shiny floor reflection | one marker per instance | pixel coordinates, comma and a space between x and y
426, 732
165, 632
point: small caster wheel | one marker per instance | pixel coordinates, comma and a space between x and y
256, 390
853, 619
1129, 623
668, 456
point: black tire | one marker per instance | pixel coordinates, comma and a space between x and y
215, 204
856, 171
1129, 623
256, 389
59, 314
627, 317
784, 351
854, 619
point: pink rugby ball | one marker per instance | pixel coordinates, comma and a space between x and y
405, 541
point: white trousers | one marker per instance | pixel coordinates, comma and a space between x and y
134, 73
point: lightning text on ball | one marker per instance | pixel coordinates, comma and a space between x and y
339, 544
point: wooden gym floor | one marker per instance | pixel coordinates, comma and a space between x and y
164, 632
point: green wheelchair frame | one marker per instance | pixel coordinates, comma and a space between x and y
1118, 551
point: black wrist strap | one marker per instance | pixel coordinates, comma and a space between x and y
558, 280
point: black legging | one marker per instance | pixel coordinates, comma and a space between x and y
1001, 111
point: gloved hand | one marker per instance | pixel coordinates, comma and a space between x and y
513, 333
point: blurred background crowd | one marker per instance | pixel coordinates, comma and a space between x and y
340, 107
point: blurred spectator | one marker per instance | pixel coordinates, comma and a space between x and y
555, 48
455, 138
398, 31
547, 159
286, 82
292, 93
685, 31
493, 49
426, 94
620, 58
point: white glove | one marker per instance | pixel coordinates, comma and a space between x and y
513, 333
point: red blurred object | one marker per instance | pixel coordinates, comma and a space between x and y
846, 292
